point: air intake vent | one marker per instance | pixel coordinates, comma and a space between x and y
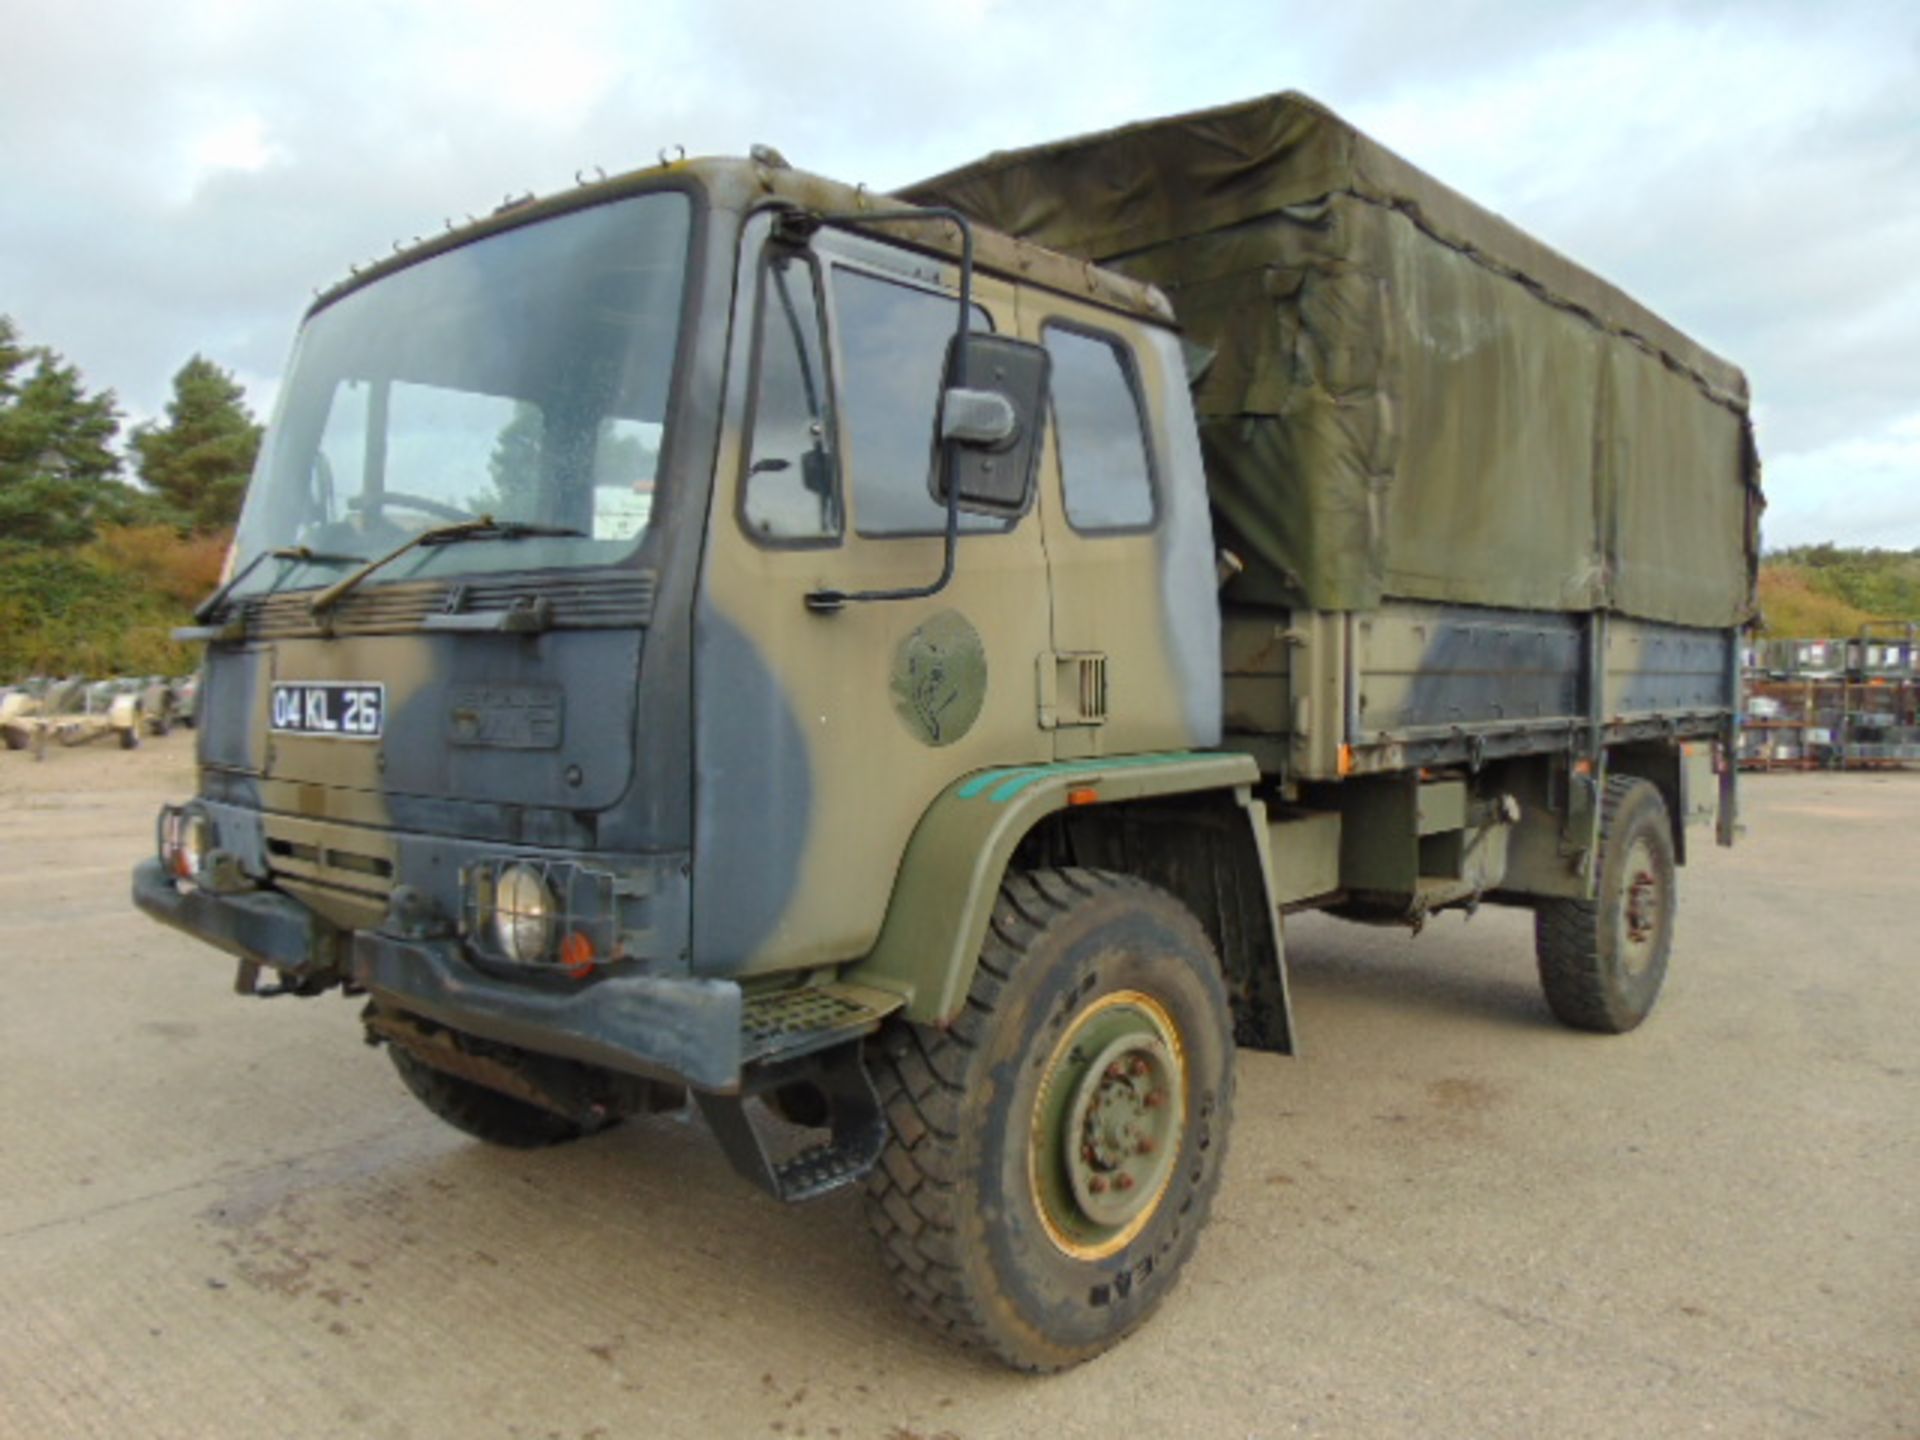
1073, 689
1093, 689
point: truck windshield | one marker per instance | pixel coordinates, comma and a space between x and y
523, 377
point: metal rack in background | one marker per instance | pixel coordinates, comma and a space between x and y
1833, 704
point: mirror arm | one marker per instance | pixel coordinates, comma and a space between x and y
826, 602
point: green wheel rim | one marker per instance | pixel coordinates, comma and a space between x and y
1642, 908
1107, 1124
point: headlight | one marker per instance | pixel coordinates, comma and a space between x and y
523, 914
186, 835
549, 914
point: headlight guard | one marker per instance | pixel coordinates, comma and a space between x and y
545, 914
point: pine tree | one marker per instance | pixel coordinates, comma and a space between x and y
200, 460
514, 466
59, 475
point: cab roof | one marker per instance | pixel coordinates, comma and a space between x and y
742, 185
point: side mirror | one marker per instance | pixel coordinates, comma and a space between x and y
994, 422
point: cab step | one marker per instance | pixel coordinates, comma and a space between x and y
858, 1126
781, 1025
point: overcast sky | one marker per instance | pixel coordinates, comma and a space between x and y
182, 177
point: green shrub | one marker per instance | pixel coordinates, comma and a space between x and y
66, 612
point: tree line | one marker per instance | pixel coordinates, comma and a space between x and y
62, 481
107, 540
1879, 584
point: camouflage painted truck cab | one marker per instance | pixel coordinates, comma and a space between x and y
720, 632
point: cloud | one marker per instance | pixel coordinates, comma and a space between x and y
1864, 490
181, 178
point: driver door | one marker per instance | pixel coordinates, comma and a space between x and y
822, 738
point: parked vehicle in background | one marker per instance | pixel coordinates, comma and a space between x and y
184, 691
17, 702
73, 711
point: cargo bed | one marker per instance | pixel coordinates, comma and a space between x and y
1407, 685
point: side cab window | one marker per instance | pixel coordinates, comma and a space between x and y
1100, 432
791, 492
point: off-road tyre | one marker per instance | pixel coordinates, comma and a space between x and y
130, 737
956, 1199
1603, 961
14, 740
485, 1114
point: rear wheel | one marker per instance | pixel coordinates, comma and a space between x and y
485, 1114
1054, 1152
1602, 961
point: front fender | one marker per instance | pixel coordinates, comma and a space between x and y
950, 874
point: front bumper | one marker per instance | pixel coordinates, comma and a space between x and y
263, 926
674, 1029
667, 1029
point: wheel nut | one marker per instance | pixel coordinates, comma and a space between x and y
1098, 1184
1123, 1181
1114, 1072
1139, 1066
1145, 1147
1155, 1099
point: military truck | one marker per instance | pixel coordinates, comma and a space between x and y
897, 660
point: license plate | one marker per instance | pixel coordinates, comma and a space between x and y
338, 710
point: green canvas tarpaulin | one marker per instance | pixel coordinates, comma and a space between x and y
1408, 396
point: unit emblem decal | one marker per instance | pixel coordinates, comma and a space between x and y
940, 678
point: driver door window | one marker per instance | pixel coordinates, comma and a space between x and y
791, 494
892, 345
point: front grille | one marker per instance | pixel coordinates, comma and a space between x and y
330, 864
598, 600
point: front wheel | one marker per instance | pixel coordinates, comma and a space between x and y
1603, 961
1053, 1154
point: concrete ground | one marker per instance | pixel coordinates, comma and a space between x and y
226, 1218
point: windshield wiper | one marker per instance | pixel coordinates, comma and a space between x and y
208, 607
482, 527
